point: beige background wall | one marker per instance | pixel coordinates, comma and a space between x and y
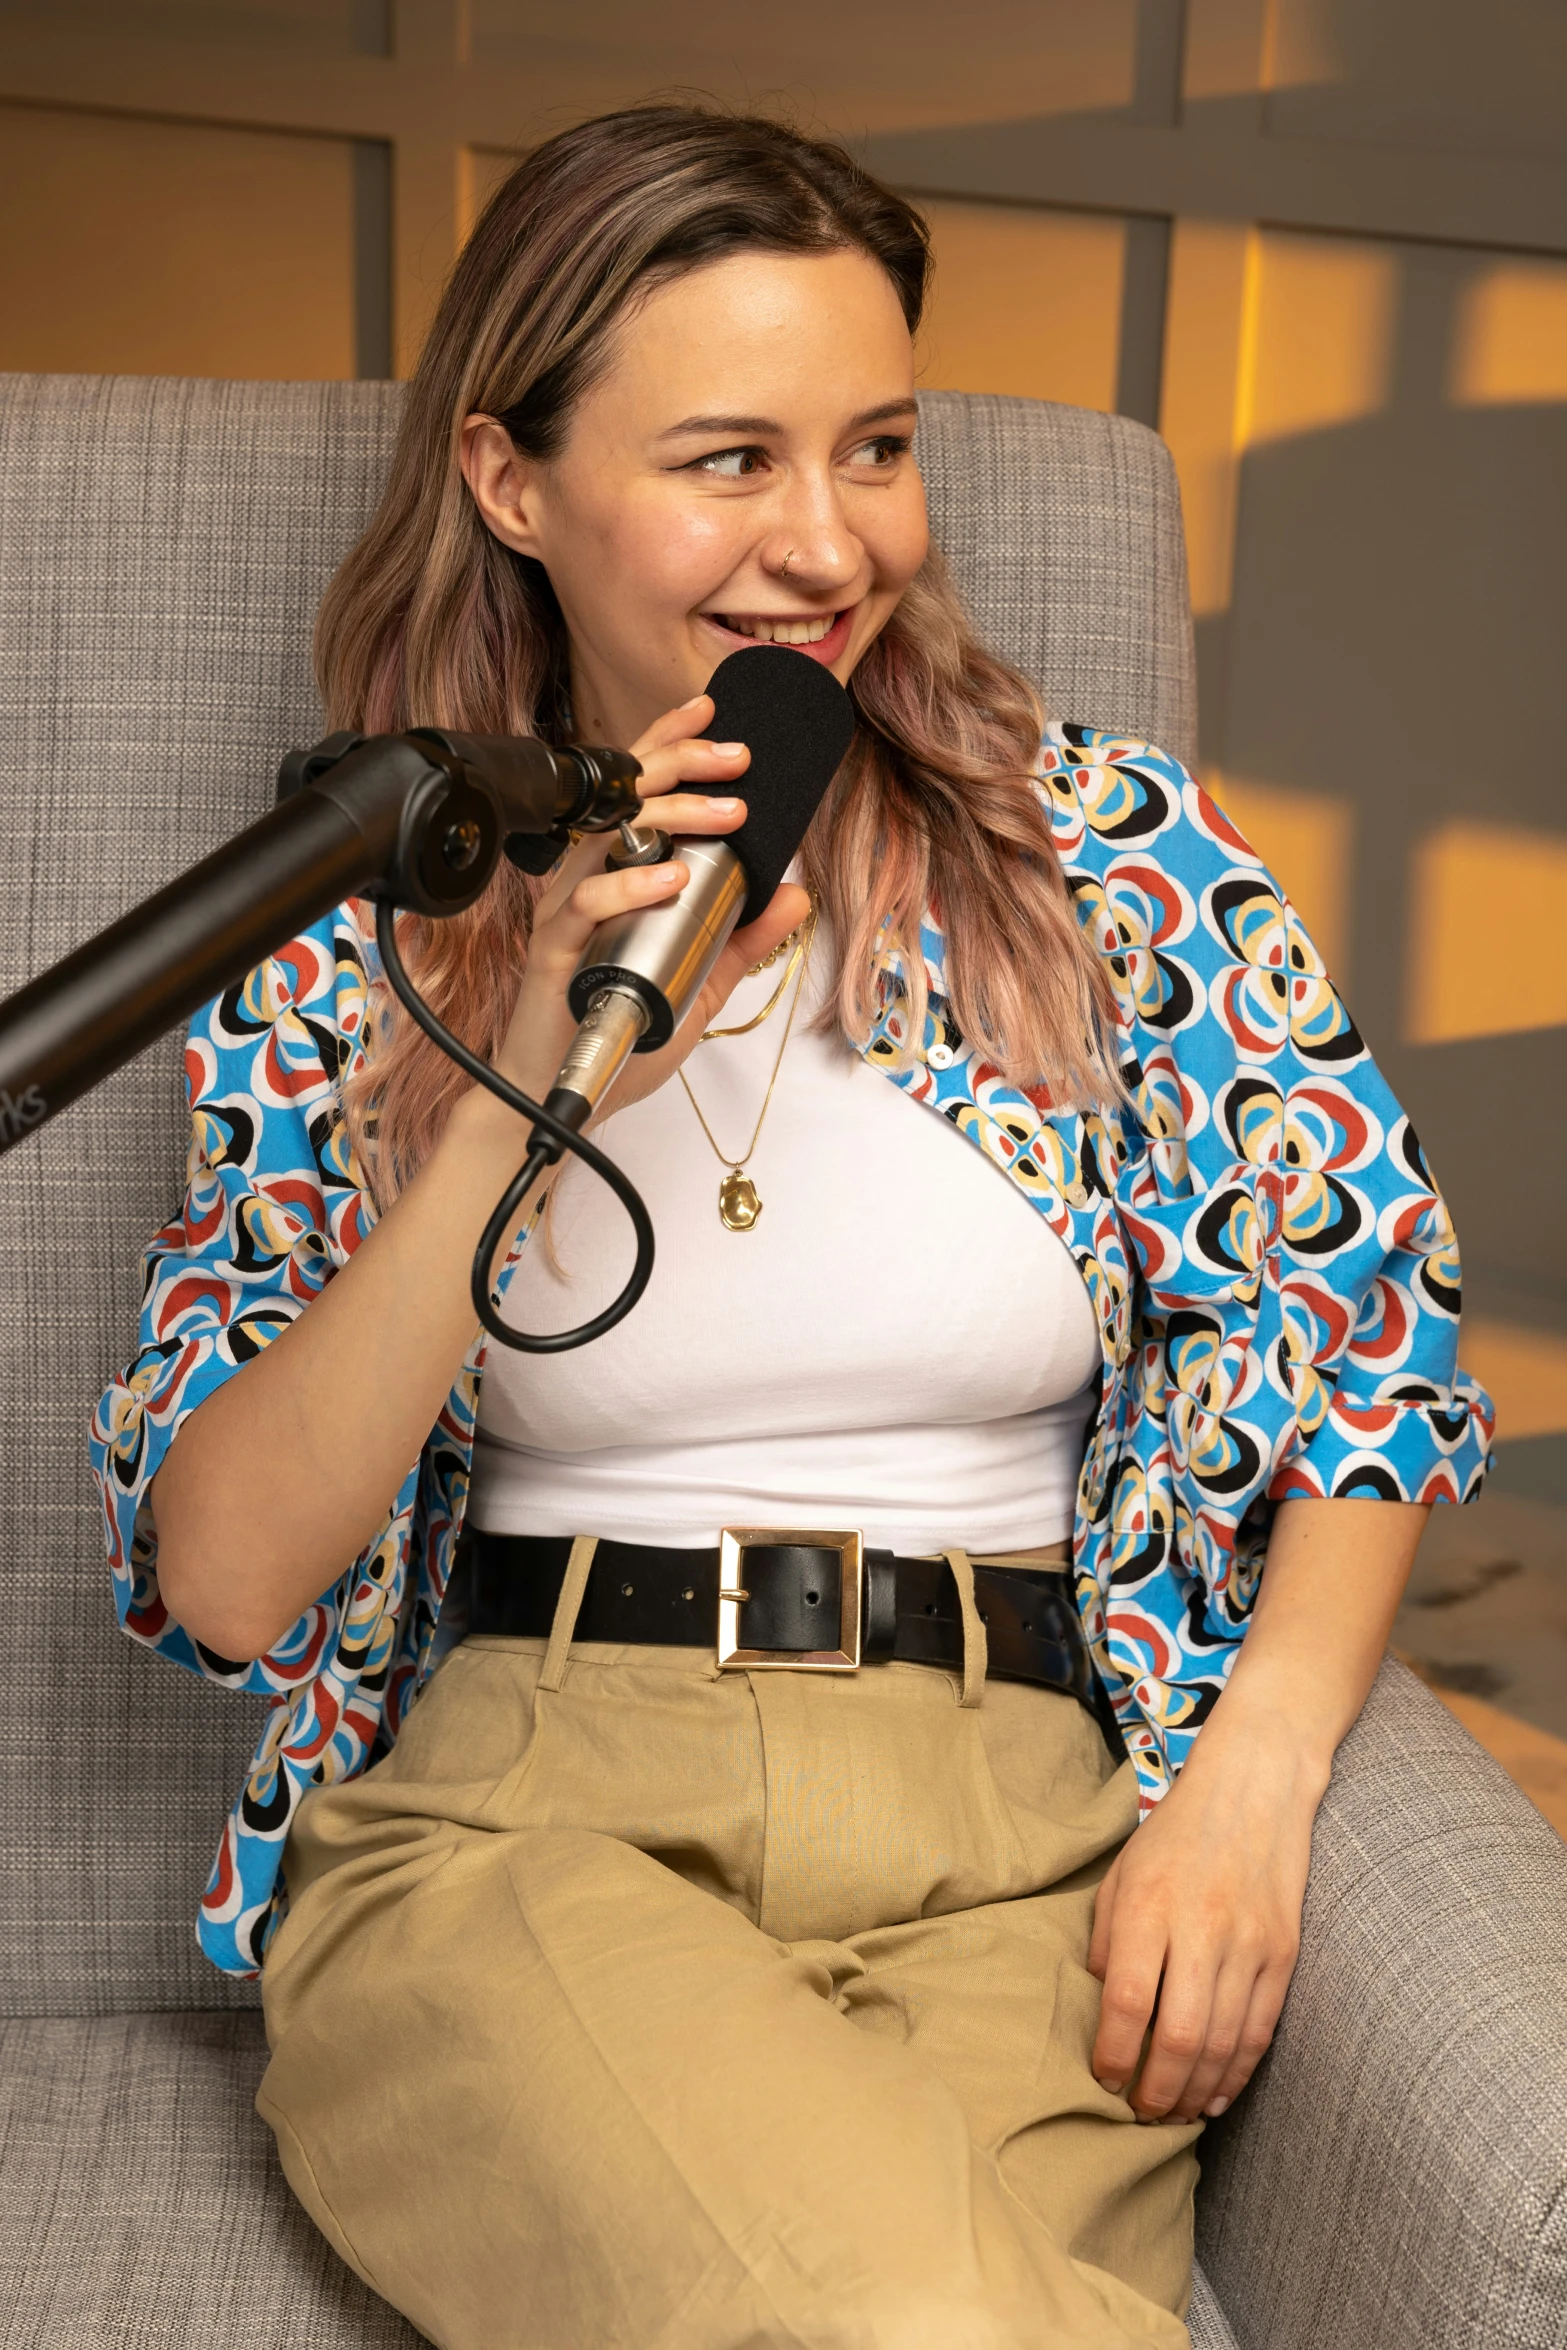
1321, 244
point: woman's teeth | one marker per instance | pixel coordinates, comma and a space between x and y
779, 632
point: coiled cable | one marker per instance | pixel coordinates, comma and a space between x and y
551, 1137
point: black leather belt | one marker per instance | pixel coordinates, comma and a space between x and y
788, 1601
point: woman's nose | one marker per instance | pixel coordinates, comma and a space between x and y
812, 546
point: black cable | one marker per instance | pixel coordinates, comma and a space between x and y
540, 1156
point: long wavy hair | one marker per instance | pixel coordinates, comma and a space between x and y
432, 621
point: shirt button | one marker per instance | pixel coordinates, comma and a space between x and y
941, 1056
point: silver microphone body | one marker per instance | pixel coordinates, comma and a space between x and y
640, 974
662, 955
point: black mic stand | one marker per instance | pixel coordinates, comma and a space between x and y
415, 821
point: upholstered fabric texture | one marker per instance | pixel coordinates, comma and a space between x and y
141, 2203
1063, 531
1395, 2175
163, 546
142, 2207
1205, 2320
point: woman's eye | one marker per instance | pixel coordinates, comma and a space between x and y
731, 464
884, 450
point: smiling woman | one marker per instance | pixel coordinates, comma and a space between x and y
644, 432
713, 1955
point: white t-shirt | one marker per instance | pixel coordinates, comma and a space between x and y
900, 1344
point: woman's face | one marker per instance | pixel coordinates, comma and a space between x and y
741, 471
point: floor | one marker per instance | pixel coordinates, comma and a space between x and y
1485, 1624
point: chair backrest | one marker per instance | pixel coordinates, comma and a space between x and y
162, 549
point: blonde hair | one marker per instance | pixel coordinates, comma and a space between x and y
432, 621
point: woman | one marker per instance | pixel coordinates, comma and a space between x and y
627, 1999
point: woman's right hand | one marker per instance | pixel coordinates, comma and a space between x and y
582, 894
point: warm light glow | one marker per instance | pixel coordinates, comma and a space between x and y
867, 65
1525, 1372
1487, 915
1024, 301
480, 172
1211, 272
1320, 335
1511, 337
1305, 838
1305, 45
156, 248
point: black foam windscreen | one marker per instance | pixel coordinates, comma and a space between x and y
797, 722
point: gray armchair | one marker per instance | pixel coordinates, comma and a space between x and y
1396, 2174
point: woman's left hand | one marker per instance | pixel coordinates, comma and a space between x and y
1200, 1914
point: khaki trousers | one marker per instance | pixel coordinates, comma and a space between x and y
683, 2011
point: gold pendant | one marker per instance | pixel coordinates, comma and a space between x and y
738, 1204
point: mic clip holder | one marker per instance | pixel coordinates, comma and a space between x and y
451, 821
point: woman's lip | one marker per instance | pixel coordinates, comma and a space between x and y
826, 649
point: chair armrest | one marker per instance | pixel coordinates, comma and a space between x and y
1397, 2172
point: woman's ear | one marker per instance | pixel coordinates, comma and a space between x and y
506, 487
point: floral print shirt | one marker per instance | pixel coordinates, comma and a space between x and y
1273, 1271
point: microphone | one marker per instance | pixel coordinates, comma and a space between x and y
641, 972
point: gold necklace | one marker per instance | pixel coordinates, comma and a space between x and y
799, 939
800, 933
739, 1203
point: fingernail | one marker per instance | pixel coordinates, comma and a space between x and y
729, 750
695, 698
1113, 2088
715, 802
1214, 2107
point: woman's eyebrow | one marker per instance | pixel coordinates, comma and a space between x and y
763, 425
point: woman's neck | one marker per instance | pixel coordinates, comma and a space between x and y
604, 709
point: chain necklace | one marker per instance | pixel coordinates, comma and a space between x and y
739, 1202
796, 946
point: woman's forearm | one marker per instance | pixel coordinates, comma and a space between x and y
279, 1479
1334, 1576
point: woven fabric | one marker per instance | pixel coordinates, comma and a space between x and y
1063, 530
1205, 2320
163, 546
1395, 2173
141, 2203
142, 2207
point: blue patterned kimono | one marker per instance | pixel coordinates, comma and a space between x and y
1273, 1271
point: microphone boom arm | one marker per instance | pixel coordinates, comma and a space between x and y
416, 820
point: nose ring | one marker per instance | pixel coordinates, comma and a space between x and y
783, 568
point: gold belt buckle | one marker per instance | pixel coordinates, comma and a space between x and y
733, 1543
